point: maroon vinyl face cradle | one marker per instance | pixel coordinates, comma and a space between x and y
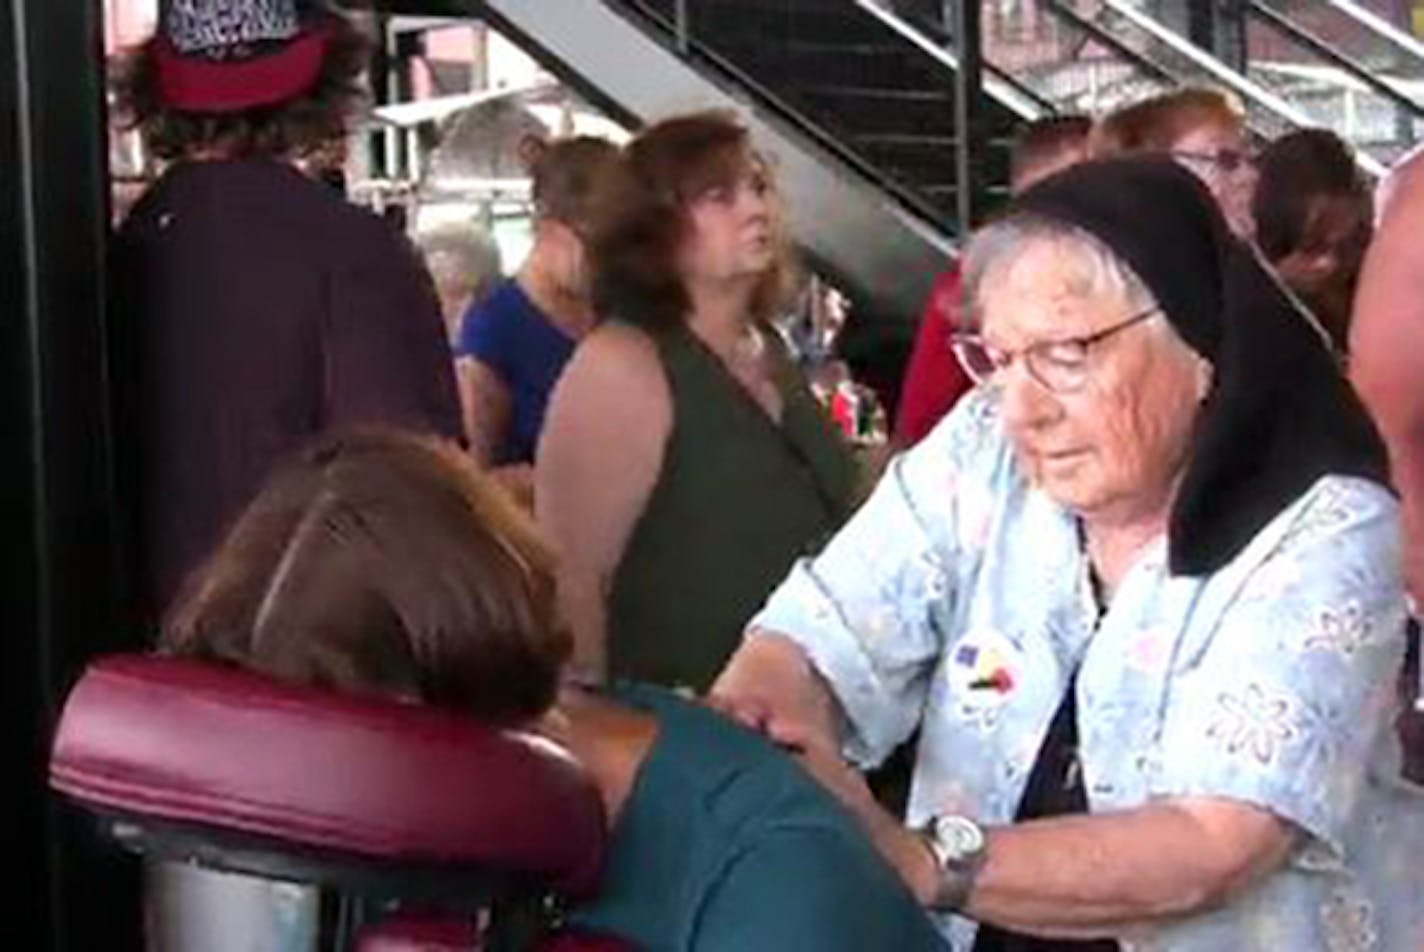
217, 751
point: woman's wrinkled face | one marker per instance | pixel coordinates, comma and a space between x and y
733, 229
1217, 154
1114, 447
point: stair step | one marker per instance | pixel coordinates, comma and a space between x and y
906, 140
876, 93
878, 114
824, 21
860, 82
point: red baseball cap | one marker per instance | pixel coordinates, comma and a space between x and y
231, 55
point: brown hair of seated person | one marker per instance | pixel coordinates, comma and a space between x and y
640, 220
384, 563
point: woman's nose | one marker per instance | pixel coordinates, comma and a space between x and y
1026, 403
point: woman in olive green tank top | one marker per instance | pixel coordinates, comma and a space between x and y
684, 465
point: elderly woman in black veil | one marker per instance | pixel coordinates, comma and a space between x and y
1140, 594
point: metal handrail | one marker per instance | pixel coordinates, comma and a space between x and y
1251, 91
1011, 93
1064, 11
1320, 48
1380, 27
688, 46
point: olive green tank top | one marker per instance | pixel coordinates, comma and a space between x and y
739, 498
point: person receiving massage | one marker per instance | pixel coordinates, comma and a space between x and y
1140, 593
383, 563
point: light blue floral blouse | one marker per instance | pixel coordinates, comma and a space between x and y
958, 599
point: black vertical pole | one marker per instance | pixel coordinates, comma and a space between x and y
1219, 28
380, 92
1201, 23
1232, 44
71, 891
968, 88
682, 24
409, 46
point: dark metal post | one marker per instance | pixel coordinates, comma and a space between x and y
1231, 41
59, 587
683, 26
380, 93
968, 89
1219, 28
1201, 23
409, 47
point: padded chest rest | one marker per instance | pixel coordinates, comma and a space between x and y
207, 750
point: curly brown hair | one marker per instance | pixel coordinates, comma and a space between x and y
639, 219
379, 562
290, 129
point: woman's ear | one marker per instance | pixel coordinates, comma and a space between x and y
531, 150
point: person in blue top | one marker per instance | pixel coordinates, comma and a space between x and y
513, 344
384, 563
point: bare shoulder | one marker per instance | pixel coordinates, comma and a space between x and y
615, 378
618, 362
621, 348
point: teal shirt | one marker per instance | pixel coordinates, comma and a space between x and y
725, 843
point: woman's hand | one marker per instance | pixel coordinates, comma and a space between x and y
770, 687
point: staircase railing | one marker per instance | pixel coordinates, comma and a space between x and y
676, 23
1370, 78
998, 84
1129, 31
1380, 28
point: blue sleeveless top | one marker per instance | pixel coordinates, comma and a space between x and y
509, 334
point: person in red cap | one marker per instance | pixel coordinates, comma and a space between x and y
253, 306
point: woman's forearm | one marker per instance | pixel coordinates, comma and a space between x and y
1105, 874
1087, 876
581, 604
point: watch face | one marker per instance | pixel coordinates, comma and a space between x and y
960, 837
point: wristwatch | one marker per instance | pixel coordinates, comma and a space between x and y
959, 849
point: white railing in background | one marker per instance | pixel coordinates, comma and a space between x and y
1252, 92
1380, 27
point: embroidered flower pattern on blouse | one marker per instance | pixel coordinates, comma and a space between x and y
1187, 687
1348, 924
1252, 722
1342, 631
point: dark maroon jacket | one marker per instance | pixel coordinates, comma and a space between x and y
253, 309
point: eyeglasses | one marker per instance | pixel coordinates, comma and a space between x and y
1228, 160
1059, 366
